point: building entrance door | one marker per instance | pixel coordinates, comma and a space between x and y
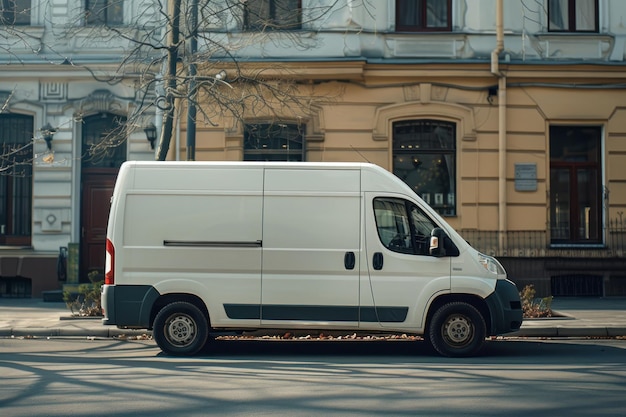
575, 185
96, 201
104, 151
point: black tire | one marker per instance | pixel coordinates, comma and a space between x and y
180, 329
457, 329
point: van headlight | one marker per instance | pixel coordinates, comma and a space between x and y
491, 264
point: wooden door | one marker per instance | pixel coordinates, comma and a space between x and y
97, 189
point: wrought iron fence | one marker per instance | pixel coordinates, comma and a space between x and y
537, 243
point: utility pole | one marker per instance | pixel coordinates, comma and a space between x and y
191, 98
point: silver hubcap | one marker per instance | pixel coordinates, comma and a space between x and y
180, 329
458, 329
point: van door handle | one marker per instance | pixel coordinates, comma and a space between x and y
378, 261
349, 260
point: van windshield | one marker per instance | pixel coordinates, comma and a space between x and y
402, 226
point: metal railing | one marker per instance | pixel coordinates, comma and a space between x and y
537, 243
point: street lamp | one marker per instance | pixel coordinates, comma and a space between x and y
151, 134
47, 132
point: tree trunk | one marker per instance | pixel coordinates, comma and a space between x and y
173, 7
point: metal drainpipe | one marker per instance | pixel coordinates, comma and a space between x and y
495, 70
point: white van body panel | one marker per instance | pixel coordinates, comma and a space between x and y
310, 222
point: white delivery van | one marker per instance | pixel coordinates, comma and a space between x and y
199, 247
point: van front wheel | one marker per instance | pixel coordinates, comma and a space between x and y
180, 329
457, 329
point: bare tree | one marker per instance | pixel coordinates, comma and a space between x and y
184, 55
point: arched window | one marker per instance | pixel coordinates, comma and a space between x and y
104, 141
424, 156
16, 187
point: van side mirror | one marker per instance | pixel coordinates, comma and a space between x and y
437, 242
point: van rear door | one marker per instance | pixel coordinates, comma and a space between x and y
311, 247
402, 274
195, 229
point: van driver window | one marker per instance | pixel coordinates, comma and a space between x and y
402, 226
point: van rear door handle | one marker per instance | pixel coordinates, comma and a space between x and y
377, 261
349, 260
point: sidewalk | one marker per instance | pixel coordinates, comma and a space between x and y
580, 317
25, 317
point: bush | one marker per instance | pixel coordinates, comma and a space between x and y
535, 307
87, 302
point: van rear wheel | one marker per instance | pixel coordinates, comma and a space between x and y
457, 329
180, 329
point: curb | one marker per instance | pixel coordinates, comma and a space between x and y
59, 332
569, 332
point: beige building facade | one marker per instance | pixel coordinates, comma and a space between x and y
549, 188
359, 126
506, 116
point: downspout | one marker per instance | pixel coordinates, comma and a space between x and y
495, 70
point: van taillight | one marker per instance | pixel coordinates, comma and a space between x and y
109, 277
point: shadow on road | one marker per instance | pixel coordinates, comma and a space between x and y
305, 378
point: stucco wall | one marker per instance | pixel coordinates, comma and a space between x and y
356, 125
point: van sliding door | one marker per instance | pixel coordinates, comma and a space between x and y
311, 253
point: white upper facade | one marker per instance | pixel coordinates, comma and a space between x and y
543, 30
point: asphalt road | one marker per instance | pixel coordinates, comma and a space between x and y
514, 377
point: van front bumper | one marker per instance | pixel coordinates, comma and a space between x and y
128, 306
505, 308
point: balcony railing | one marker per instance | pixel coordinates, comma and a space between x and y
537, 243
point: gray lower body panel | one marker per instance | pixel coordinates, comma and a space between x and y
128, 305
505, 308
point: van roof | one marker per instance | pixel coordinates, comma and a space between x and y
376, 177
256, 164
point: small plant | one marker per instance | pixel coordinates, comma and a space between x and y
535, 307
87, 302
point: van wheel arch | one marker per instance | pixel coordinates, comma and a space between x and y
477, 302
166, 299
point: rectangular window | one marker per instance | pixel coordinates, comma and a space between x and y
15, 12
104, 12
573, 15
424, 157
273, 142
575, 185
423, 15
16, 158
261, 15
